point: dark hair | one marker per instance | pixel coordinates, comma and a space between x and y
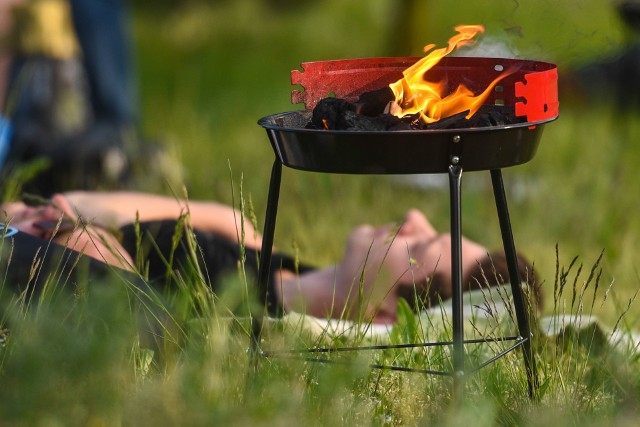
491, 270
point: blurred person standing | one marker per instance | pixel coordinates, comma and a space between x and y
46, 95
5, 60
6, 23
102, 29
614, 77
72, 95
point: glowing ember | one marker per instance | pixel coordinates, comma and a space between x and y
415, 95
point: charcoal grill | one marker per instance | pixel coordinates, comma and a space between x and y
531, 89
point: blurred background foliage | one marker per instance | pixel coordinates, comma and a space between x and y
210, 69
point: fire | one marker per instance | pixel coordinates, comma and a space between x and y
415, 95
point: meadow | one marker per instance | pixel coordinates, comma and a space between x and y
208, 71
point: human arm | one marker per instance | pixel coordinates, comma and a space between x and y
49, 223
362, 286
325, 293
115, 209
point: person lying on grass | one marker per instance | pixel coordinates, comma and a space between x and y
380, 264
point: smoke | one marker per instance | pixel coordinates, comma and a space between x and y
490, 47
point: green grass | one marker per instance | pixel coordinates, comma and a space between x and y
208, 72
108, 356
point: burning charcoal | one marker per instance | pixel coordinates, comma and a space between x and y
338, 114
492, 115
362, 123
394, 123
385, 122
496, 118
329, 113
448, 122
485, 119
374, 103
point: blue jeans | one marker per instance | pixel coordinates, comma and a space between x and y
102, 29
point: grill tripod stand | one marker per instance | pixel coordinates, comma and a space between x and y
530, 88
459, 371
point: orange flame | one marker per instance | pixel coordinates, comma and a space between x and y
415, 95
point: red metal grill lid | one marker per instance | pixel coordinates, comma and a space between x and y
532, 89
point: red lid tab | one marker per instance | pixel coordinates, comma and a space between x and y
539, 96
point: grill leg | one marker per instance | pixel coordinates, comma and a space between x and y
265, 253
512, 264
455, 175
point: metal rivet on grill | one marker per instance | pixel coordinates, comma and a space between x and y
456, 138
455, 160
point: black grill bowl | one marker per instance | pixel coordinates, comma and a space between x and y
398, 152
